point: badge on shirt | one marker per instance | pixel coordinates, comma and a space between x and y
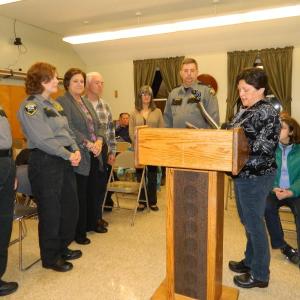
30, 108
59, 108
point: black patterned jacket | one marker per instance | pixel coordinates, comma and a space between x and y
262, 128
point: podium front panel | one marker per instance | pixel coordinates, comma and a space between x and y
190, 233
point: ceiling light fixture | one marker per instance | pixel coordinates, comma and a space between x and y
8, 1
232, 19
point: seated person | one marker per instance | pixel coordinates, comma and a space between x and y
286, 189
122, 131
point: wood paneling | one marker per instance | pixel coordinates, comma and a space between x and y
202, 149
11, 96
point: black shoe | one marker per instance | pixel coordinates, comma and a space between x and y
238, 266
84, 241
107, 208
100, 229
71, 254
247, 281
291, 254
154, 207
102, 223
141, 207
60, 266
7, 288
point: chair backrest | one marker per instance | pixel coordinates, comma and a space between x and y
24, 186
123, 146
125, 160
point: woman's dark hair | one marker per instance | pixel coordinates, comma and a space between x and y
294, 128
145, 89
37, 74
69, 74
256, 77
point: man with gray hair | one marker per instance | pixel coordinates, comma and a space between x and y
94, 90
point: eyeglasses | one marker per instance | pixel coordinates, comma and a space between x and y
145, 94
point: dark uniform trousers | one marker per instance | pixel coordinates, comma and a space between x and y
54, 188
7, 178
91, 191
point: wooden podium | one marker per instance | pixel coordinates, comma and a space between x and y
196, 159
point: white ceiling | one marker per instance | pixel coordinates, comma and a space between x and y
69, 17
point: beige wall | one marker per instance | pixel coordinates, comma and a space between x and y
119, 76
41, 46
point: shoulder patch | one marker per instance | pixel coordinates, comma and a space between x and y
30, 108
212, 91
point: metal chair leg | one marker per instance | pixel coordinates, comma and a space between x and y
21, 230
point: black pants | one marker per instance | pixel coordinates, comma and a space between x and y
151, 179
54, 188
7, 177
91, 191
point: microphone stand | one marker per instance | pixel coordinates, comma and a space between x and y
212, 122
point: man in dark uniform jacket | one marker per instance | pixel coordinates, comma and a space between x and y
7, 179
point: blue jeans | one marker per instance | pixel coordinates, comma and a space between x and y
273, 219
251, 194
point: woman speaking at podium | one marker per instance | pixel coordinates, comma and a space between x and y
261, 125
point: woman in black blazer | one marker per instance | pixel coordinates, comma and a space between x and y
86, 127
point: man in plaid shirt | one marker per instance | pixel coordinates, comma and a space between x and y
94, 90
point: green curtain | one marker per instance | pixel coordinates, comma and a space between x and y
278, 66
144, 72
236, 62
169, 69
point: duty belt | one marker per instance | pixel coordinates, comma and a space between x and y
69, 148
5, 153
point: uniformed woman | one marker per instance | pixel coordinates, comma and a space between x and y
53, 153
7, 178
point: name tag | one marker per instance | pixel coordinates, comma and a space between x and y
177, 101
50, 113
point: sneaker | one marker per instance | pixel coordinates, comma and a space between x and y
291, 254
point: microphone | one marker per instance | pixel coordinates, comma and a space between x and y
210, 120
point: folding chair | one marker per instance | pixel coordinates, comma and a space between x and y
126, 160
229, 192
287, 224
23, 212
